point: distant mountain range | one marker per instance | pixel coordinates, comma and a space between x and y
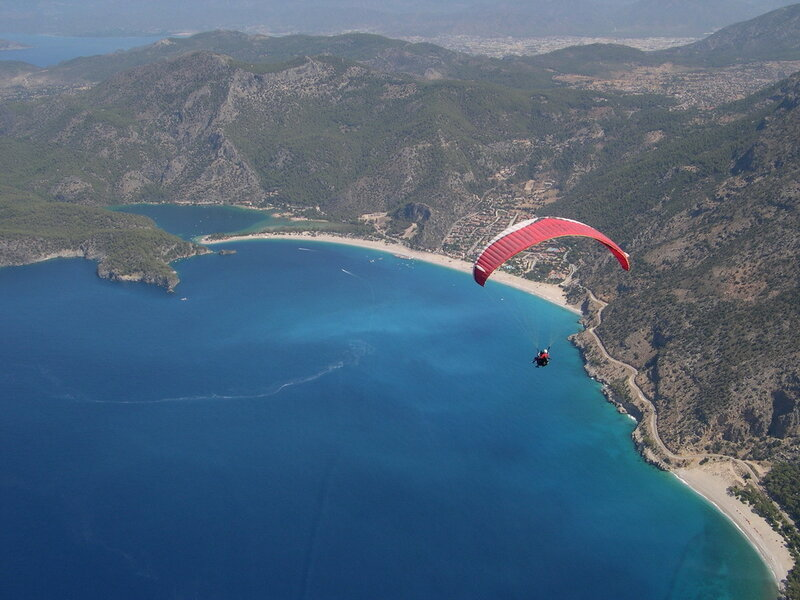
686, 17
774, 36
469, 17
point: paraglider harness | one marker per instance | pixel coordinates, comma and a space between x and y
543, 358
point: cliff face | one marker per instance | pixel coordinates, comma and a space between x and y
156, 130
709, 312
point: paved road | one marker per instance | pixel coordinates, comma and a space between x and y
650, 415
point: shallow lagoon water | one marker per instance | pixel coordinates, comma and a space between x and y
191, 222
194, 221
322, 421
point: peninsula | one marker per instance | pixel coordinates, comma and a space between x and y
12, 45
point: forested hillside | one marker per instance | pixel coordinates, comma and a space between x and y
321, 132
709, 312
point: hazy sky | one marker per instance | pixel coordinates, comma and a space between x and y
410, 17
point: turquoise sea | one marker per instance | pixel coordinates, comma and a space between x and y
314, 421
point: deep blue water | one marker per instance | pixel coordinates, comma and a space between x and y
317, 421
48, 50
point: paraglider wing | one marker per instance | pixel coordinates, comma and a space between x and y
528, 233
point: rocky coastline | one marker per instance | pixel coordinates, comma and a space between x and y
159, 272
713, 476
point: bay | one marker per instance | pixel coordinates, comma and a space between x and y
307, 420
48, 50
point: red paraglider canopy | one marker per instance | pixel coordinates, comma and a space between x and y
524, 234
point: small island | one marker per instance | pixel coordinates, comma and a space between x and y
12, 45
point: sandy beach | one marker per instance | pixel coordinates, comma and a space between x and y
550, 292
711, 480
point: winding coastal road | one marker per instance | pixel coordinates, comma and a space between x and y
712, 480
649, 413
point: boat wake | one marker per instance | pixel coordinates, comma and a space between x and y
358, 349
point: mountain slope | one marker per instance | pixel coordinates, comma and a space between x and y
317, 131
685, 17
708, 314
772, 36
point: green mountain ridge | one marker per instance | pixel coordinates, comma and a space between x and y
388, 55
774, 36
320, 131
